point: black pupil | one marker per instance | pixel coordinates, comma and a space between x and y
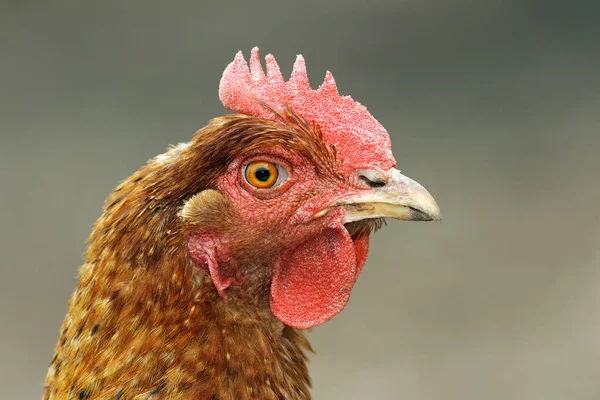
262, 174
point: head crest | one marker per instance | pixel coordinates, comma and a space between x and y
345, 123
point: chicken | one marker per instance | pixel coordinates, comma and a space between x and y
209, 261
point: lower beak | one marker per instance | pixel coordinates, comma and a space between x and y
400, 198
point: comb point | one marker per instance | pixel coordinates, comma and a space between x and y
273, 71
239, 64
328, 86
299, 77
256, 69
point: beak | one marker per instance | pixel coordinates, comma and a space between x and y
400, 198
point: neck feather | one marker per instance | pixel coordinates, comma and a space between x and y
143, 320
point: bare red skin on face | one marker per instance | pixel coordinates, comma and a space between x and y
315, 262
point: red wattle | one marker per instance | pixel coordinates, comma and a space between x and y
361, 249
312, 283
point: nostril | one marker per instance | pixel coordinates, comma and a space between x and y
373, 184
372, 178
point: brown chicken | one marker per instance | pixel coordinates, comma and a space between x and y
209, 261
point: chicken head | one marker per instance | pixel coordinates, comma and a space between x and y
292, 213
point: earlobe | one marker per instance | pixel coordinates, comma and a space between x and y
202, 251
204, 217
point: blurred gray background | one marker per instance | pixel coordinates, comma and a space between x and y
492, 105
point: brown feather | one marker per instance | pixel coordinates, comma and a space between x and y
143, 322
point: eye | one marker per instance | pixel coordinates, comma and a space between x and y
264, 174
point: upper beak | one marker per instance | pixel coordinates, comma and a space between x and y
400, 198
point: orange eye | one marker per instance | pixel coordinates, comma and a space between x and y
261, 174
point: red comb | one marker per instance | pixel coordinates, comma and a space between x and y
360, 140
